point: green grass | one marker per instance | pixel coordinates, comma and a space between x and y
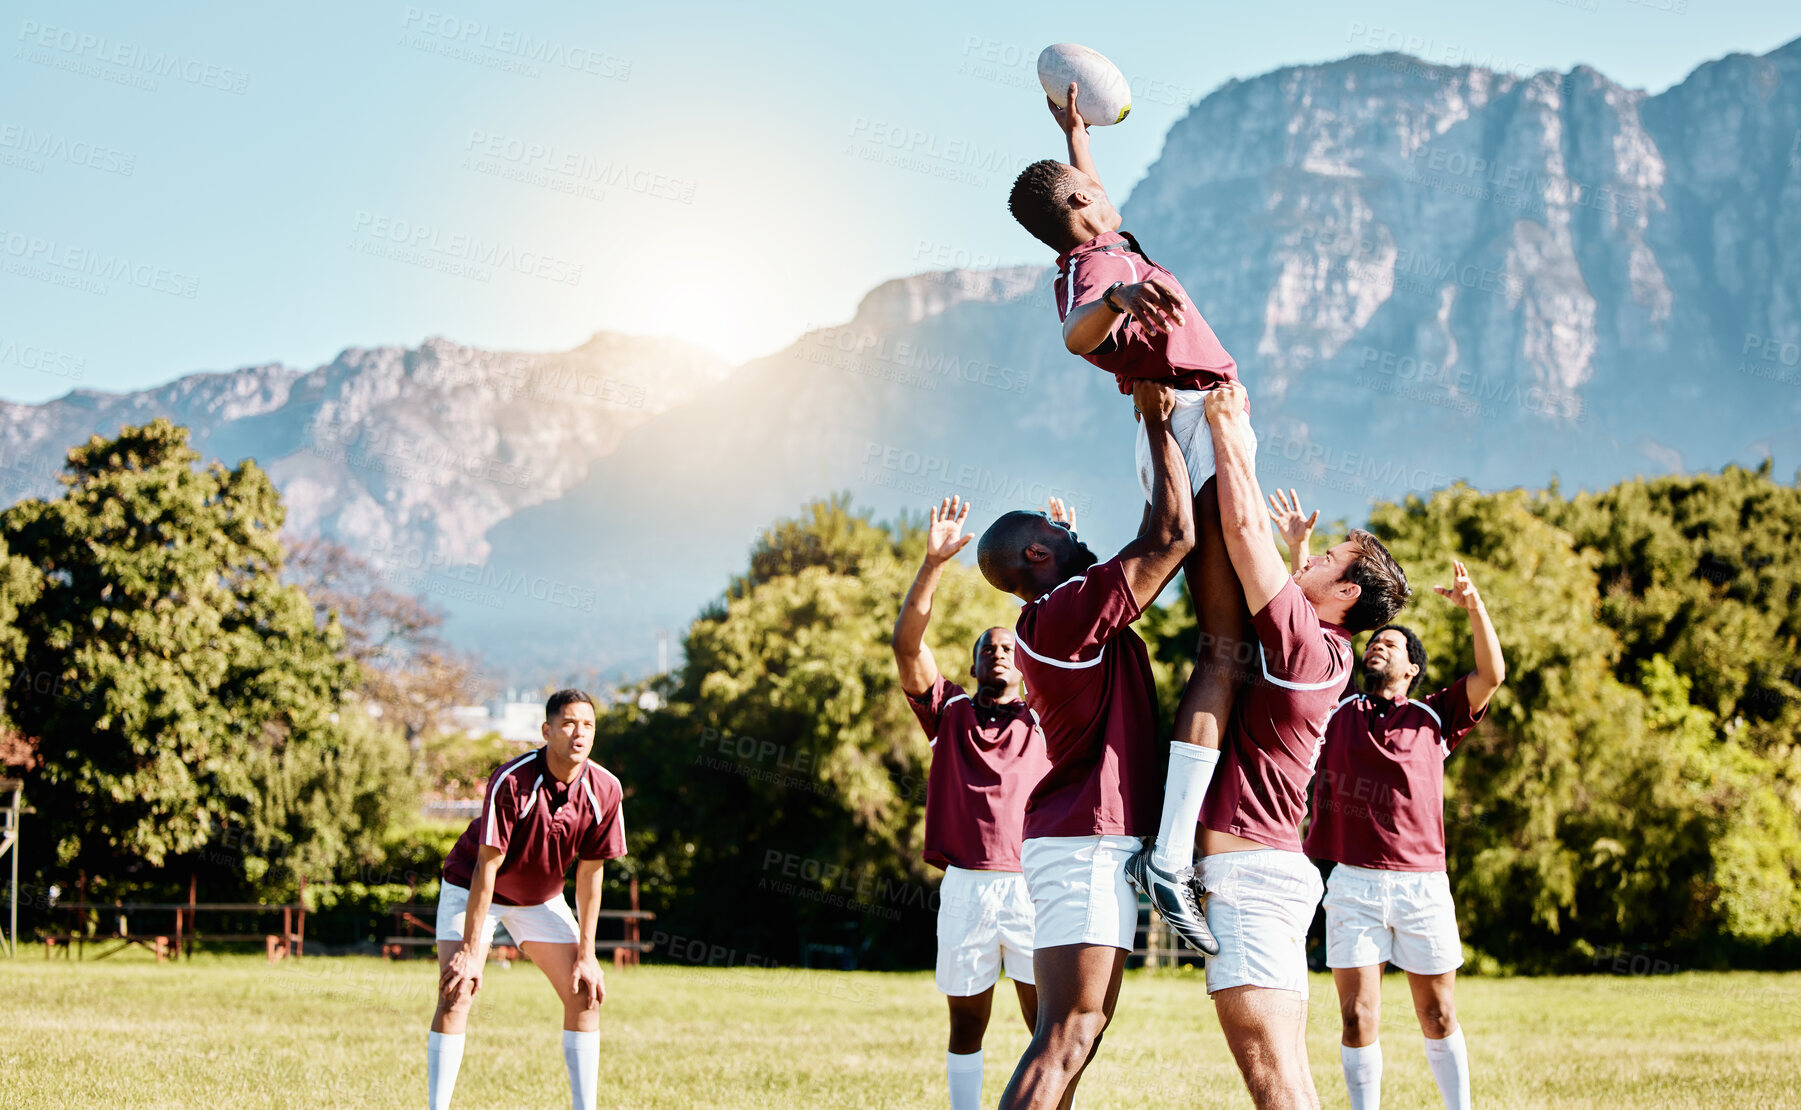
231, 1031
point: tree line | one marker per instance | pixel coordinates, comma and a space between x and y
185, 695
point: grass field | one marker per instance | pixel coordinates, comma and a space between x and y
350, 1032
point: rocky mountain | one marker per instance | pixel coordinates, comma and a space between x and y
409, 455
1426, 273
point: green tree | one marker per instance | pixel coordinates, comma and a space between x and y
785, 770
187, 690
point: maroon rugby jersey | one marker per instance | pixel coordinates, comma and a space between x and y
1378, 800
1089, 677
1191, 356
985, 762
543, 826
1266, 757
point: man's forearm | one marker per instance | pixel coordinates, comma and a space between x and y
587, 896
1240, 498
1491, 666
916, 608
1171, 519
475, 914
1078, 153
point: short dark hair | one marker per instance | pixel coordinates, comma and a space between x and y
562, 698
1381, 583
1416, 651
999, 553
1038, 202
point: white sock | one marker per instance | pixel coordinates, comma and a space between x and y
581, 1055
1190, 770
1450, 1063
1363, 1075
443, 1056
964, 1073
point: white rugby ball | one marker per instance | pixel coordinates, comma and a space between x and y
1101, 92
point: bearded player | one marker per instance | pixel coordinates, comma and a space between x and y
1088, 676
541, 813
1261, 891
987, 754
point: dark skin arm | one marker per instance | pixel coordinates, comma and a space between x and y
944, 538
1151, 560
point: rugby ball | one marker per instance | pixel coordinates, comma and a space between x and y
1101, 91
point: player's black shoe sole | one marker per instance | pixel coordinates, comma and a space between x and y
1176, 897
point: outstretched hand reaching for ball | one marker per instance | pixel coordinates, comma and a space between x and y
1061, 513
1462, 591
944, 534
1070, 118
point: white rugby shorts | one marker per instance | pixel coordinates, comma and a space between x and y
1259, 906
553, 922
1193, 435
1401, 917
984, 924
1080, 894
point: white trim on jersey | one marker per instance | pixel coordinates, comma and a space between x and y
1078, 666
488, 830
588, 785
1263, 662
1069, 289
1060, 585
955, 700
1430, 712
532, 798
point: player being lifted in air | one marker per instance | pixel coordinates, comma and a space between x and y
1132, 318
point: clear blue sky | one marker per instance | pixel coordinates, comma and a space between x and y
308, 178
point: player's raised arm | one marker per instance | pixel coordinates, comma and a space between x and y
944, 538
1296, 530
1075, 132
1168, 536
1491, 666
1242, 517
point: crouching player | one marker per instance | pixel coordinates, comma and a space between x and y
1378, 813
541, 813
987, 754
